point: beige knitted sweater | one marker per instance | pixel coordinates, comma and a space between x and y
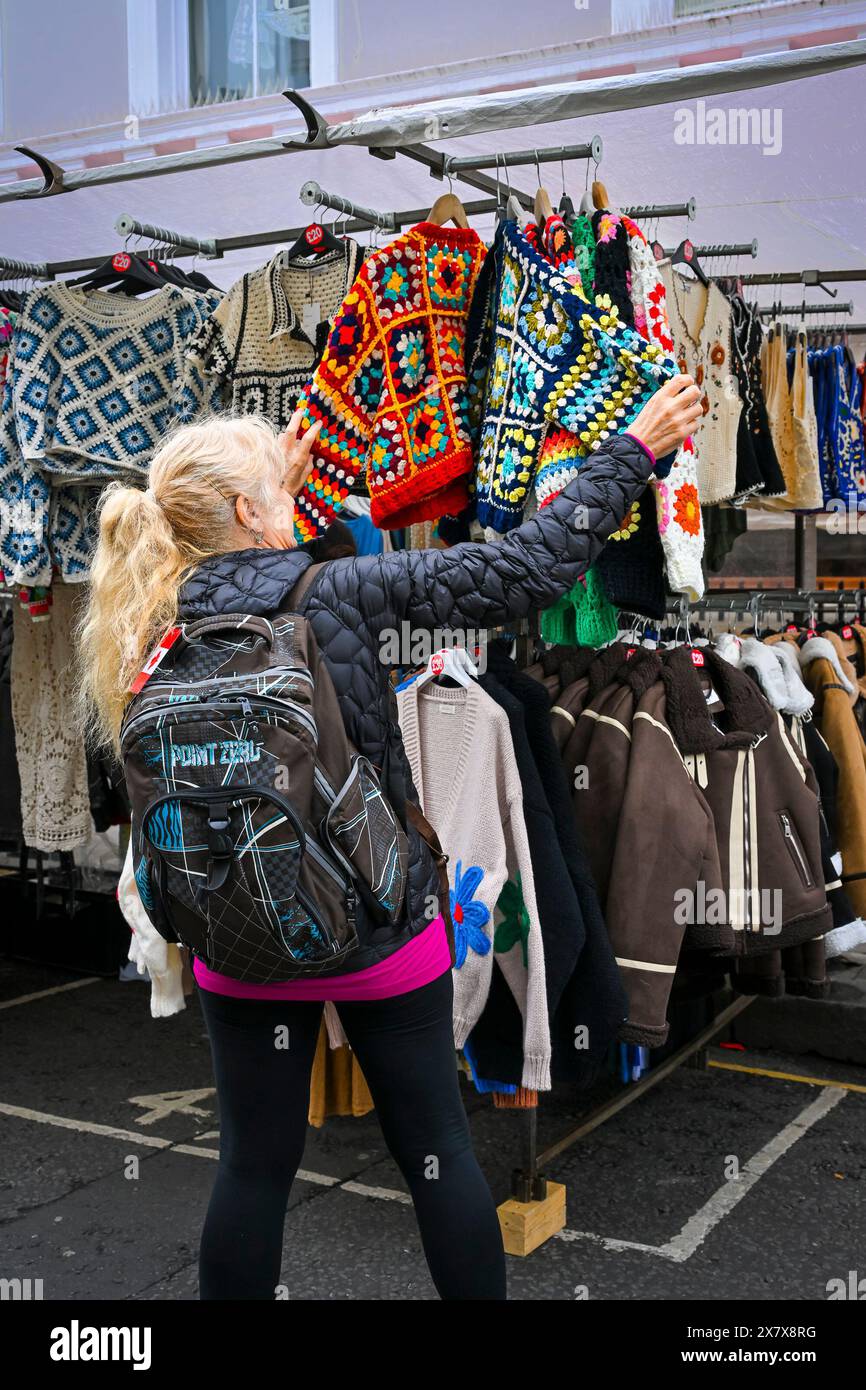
459, 747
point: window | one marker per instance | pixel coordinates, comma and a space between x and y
247, 48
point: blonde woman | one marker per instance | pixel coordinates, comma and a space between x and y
212, 534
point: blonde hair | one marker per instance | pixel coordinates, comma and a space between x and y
150, 540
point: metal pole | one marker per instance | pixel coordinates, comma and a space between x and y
731, 248
847, 307
800, 277
13, 270
127, 225
652, 1078
805, 552
547, 154
650, 211
434, 160
314, 195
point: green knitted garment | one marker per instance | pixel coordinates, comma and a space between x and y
584, 617
583, 239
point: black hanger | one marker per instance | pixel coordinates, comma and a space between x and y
10, 299
185, 279
314, 239
128, 272
685, 255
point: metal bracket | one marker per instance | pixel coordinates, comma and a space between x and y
813, 277
52, 174
317, 126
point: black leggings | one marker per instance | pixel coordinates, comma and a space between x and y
405, 1048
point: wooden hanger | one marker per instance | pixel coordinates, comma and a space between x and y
599, 195
448, 208
543, 206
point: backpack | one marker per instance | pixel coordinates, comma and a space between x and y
262, 839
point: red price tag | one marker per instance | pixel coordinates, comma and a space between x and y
697, 658
688, 250
812, 632
847, 633
631, 651
792, 627
121, 261
313, 235
437, 664
158, 655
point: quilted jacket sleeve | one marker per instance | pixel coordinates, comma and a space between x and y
480, 585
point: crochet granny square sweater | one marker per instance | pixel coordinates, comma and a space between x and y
390, 389
555, 357
459, 747
678, 509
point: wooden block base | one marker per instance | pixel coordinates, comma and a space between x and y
526, 1225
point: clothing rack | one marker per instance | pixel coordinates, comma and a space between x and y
128, 226
785, 600
651, 211
802, 277
14, 270
456, 164
313, 195
727, 248
789, 310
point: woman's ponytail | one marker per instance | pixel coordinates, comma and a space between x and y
134, 583
148, 542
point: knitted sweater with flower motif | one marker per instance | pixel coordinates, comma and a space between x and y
460, 750
555, 357
390, 389
678, 508
676, 497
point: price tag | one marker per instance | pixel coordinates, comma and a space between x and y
157, 656
847, 633
311, 317
697, 658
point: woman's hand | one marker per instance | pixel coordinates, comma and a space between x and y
669, 416
298, 452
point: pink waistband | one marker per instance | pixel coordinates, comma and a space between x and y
424, 958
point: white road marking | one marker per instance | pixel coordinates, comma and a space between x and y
44, 993
680, 1248
725, 1198
172, 1103
22, 1112
384, 1194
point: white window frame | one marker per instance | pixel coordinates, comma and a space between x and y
158, 53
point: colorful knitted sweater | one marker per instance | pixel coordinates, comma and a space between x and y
390, 389
555, 357
676, 496
93, 382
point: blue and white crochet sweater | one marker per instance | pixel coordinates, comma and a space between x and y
552, 356
94, 381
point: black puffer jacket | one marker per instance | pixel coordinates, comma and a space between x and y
352, 602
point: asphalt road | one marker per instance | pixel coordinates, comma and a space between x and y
653, 1212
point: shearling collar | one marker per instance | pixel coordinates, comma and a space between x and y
747, 712
823, 649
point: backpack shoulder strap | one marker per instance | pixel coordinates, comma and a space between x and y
298, 594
